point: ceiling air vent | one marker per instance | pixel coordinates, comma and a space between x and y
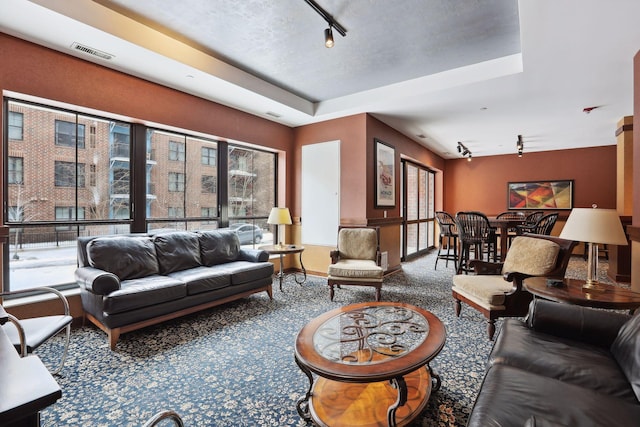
91, 51
272, 114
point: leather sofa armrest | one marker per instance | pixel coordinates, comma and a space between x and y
484, 267
574, 322
97, 281
253, 255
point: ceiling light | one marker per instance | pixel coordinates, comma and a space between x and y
464, 151
520, 145
328, 37
328, 33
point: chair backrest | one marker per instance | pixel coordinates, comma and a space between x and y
511, 215
358, 243
545, 224
446, 222
473, 226
565, 249
533, 217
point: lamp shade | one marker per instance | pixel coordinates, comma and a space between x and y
279, 216
593, 225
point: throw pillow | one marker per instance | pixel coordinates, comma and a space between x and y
530, 255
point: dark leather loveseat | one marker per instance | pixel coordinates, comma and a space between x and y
564, 365
128, 282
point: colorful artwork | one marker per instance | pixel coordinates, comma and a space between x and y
385, 175
540, 195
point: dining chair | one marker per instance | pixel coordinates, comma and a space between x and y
448, 237
544, 225
511, 231
475, 233
533, 217
27, 335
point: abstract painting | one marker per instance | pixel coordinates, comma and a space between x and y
540, 195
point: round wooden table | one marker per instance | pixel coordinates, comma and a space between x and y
372, 363
610, 296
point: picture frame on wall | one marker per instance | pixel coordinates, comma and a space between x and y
385, 179
540, 195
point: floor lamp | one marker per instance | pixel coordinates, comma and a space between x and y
594, 226
279, 217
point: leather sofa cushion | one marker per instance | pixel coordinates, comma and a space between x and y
137, 293
126, 257
243, 271
510, 396
203, 279
570, 361
176, 251
532, 256
626, 350
218, 247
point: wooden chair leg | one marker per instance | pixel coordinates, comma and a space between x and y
331, 291
458, 307
491, 328
378, 292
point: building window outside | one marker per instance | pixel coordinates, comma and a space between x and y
16, 125
208, 212
65, 176
15, 172
176, 182
66, 134
209, 156
175, 212
208, 184
176, 151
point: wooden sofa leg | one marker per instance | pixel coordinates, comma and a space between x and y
458, 307
114, 335
491, 328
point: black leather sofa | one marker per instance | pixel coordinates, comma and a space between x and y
564, 365
128, 282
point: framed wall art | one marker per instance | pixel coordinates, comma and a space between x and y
385, 180
540, 195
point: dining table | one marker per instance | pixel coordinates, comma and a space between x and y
503, 225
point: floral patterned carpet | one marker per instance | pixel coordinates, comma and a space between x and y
233, 365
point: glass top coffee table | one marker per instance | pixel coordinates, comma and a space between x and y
371, 361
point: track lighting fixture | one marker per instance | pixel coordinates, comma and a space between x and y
464, 151
520, 145
333, 24
328, 37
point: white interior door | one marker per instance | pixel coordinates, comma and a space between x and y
320, 193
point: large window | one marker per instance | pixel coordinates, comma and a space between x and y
58, 188
418, 231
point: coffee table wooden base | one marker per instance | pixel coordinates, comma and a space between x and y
335, 403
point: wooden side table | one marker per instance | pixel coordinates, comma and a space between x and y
610, 297
283, 250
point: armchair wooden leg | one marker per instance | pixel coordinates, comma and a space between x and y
491, 328
458, 307
331, 292
378, 293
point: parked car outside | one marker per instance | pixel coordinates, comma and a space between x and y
247, 233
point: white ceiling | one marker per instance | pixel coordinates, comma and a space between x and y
476, 71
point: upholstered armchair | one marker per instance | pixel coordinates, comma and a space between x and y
356, 261
496, 288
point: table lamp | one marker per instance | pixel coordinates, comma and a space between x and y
594, 226
278, 217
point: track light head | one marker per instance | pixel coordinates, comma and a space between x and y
328, 37
469, 158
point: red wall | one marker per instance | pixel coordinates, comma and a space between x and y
482, 183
